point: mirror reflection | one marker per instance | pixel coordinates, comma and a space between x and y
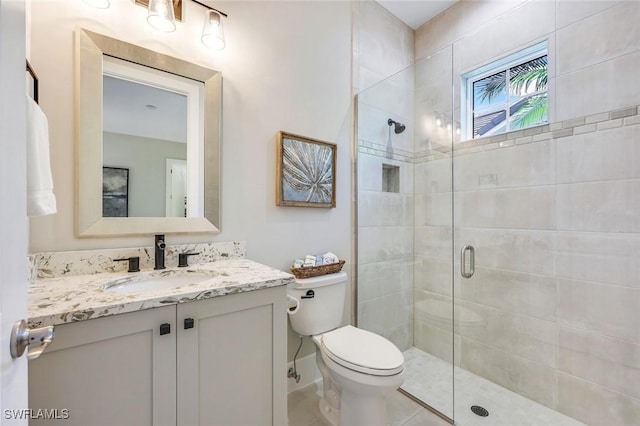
144, 150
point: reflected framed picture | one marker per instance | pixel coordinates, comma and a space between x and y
306, 172
115, 192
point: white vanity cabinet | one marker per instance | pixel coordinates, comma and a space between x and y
222, 363
232, 363
115, 370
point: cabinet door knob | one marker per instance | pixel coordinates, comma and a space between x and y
188, 323
165, 328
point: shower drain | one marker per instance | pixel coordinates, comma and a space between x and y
480, 411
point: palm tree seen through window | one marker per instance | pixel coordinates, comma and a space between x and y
511, 98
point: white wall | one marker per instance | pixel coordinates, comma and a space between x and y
286, 66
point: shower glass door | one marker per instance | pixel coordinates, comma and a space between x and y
405, 234
431, 359
504, 285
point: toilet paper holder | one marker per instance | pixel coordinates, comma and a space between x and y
36, 339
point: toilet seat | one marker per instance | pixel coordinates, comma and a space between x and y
362, 351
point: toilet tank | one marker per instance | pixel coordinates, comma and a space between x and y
321, 303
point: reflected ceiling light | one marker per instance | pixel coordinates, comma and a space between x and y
98, 4
161, 16
212, 31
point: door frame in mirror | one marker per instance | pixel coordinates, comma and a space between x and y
90, 48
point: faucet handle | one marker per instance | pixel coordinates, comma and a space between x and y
134, 263
160, 242
183, 259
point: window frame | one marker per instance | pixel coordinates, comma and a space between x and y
503, 64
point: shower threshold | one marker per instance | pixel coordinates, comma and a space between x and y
429, 379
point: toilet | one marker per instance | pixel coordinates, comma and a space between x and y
359, 368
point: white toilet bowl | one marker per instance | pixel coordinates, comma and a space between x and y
359, 369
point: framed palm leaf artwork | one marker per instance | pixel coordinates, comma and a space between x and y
306, 172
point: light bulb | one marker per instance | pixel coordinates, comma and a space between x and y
161, 16
212, 32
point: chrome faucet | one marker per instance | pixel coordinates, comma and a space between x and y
159, 246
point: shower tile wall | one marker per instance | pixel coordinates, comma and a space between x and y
383, 46
554, 213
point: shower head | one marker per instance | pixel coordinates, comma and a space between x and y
398, 128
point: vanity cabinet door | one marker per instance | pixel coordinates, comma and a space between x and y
116, 370
232, 360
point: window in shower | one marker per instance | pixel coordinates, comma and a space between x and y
506, 95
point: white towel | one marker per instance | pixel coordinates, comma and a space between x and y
329, 258
40, 198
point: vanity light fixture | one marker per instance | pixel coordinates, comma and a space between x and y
212, 32
163, 13
161, 16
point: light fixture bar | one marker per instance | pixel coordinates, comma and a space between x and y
210, 8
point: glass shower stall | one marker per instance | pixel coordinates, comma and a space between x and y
504, 267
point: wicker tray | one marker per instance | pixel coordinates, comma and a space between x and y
315, 271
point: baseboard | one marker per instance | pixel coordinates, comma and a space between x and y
308, 371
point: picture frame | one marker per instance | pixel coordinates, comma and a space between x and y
306, 172
115, 192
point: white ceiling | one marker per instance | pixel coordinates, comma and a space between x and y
417, 12
127, 109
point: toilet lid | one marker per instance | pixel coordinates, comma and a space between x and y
363, 351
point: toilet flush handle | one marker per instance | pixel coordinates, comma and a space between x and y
293, 305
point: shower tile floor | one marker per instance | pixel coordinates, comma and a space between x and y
429, 379
303, 409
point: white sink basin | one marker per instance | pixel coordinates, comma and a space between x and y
157, 280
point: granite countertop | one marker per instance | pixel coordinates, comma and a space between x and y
54, 301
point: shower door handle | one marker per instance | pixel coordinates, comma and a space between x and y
463, 261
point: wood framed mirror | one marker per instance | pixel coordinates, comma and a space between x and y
96, 53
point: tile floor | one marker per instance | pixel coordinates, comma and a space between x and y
303, 410
506, 408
